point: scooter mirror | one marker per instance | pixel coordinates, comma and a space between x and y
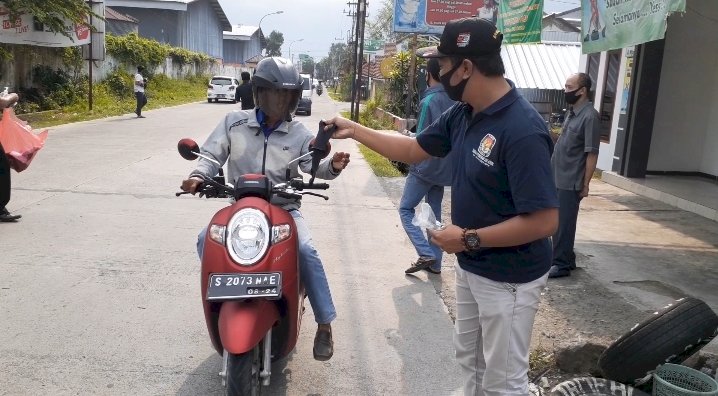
188, 149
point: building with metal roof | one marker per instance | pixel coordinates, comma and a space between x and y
243, 44
196, 25
118, 23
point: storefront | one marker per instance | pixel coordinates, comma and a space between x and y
658, 103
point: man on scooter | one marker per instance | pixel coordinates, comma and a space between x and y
262, 140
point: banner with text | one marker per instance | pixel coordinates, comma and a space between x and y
520, 21
614, 24
430, 16
24, 29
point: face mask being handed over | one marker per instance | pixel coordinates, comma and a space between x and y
571, 97
455, 92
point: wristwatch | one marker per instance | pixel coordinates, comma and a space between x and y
471, 239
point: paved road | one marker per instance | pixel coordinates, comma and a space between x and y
99, 282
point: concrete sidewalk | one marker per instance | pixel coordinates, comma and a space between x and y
635, 255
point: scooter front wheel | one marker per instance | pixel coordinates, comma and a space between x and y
243, 373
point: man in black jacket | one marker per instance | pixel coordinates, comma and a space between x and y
244, 93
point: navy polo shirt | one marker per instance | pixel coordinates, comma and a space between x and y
502, 168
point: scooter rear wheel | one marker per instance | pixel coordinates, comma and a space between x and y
243, 373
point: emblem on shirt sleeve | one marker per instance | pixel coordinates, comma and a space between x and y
483, 152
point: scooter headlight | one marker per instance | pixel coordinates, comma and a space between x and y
248, 237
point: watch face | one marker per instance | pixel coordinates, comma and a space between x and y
472, 241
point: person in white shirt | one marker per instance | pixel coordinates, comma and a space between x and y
140, 91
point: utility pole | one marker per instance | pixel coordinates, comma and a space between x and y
353, 42
359, 55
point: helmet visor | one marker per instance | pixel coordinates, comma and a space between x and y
277, 103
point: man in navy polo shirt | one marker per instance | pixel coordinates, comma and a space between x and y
504, 204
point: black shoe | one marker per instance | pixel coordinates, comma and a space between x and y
421, 264
323, 345
432, 271
140, 116
558, 272
7, 217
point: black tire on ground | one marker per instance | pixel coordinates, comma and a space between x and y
670, 335
309, 112
209, 100
589, 386
243, 373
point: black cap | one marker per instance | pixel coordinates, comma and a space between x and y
467, 37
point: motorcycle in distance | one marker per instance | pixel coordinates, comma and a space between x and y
252, 295
320, 89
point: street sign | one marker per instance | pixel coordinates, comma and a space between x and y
373, 46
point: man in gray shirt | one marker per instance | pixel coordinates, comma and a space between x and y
573, 161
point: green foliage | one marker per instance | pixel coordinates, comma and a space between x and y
274, 43
381, 166
135, 50
162, 92
185, 57
119, 83
52, 89
368, 115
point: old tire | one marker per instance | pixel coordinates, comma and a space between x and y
589, 386
243, 374
670, 335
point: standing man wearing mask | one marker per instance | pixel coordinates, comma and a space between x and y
574, 161
503, 203
427, 179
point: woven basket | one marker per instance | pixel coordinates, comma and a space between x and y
675, 380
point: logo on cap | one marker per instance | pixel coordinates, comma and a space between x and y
463, 40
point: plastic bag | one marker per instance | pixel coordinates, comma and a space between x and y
20, 143
424, 218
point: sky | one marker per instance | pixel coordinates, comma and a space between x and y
317, 23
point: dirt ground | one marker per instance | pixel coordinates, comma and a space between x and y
573, 310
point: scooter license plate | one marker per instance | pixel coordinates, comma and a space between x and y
233, 286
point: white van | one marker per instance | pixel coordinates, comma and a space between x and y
305, 103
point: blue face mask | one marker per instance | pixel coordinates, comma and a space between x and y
455, 92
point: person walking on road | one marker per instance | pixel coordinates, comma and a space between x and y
5, 185
270, 128
244, 92
427, 179
140, 83
504, 204
574, 161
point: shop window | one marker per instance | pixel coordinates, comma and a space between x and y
608, 101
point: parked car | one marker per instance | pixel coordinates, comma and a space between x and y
222, 87
305, 102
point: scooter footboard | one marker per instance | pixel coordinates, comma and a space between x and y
243, 324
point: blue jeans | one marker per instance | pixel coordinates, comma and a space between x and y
415, 190
311, 271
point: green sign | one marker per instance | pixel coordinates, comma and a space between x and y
372, 46
614, 24
520, 20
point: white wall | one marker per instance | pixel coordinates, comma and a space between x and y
685, 133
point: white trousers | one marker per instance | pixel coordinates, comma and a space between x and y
493, 333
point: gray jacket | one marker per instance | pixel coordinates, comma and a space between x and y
239, 139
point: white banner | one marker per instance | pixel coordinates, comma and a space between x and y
25, 30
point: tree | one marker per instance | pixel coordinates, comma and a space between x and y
380, 27
308, 66
51, 13
274, 43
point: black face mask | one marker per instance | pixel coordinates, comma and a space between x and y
455, 92
571, 97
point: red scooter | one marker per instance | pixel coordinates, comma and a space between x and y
252, 295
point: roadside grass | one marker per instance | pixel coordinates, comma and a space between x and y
379, 164
161, 92
335, 96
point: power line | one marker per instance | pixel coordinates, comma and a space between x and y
701, 15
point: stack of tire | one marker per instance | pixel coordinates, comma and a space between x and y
670, 335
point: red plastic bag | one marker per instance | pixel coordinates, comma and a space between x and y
20, 144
